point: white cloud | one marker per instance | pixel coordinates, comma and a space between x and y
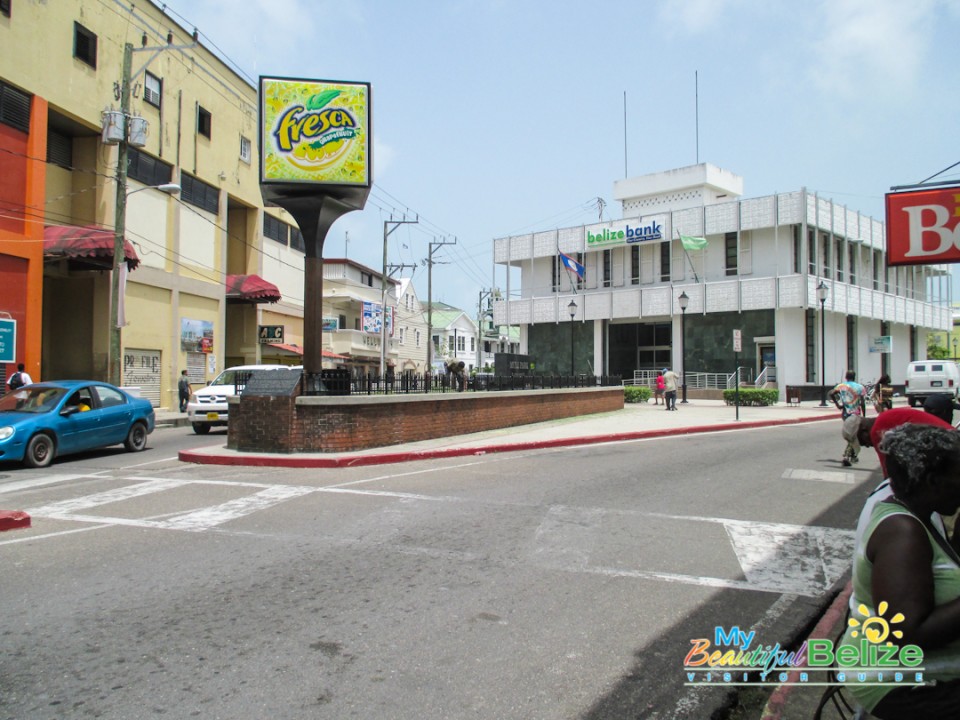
694, 16
873, 46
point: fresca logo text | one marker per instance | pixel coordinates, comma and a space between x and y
651, 231
313, 134
732, 658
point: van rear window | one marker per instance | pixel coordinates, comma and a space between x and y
936, 368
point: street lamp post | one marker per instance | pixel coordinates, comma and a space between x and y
572, 309
822, 291
954, 348
683, 301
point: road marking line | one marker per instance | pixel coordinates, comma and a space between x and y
235, 509
38, 482
774, 557
55, 534
848, 478
110, 496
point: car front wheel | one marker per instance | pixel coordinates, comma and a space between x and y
136, 438
40, 451
201, 428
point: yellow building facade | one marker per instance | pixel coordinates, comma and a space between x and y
201, 118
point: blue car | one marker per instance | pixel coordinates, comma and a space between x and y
46, 420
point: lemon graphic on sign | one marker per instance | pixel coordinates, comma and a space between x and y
876, 628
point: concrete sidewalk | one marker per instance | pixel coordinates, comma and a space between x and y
635, 421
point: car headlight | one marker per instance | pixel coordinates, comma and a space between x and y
6, 432
193, 397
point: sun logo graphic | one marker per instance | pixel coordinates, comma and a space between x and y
876, 628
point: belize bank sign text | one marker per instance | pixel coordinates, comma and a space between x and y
640, 230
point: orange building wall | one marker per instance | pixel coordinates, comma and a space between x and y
22, 193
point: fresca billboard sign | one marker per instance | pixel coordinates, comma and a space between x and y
623, 232
315, 132
923, 226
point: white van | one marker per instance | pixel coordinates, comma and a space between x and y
931, 377
208, 406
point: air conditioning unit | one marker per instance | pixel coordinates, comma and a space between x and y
112, 127
138, 132
151, 96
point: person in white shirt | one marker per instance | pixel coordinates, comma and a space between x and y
20, 378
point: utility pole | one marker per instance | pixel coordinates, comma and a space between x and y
391, 269
383, 287
430, 261
115, 364
488, 295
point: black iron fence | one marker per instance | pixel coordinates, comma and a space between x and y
341, 382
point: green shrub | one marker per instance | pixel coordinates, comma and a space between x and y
752, 396
636, 393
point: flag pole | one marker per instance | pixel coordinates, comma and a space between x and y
696, 279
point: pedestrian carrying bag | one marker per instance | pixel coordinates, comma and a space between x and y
16, 381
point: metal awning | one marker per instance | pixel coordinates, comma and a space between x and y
251, 289
85, 241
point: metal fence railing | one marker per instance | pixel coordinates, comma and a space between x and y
341, 382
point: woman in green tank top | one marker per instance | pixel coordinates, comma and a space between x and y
908, 574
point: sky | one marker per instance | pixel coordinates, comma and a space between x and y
499, 117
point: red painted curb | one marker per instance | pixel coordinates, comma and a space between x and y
298, 461
13, 520
778, 699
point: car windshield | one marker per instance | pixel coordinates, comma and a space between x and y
32, 399
229, 377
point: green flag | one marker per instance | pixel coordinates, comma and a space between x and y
693, 243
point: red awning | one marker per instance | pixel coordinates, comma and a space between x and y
85, 241
251, 288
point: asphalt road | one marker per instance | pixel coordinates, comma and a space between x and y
552, 584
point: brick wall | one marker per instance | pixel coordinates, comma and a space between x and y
340, 424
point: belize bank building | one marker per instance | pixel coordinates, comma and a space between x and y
759, 272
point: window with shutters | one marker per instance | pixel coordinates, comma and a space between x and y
84, 45
147, 169
730, 248
200, 194
246, 151
275, 229
14, 108
152, 90
59, 149
665, 261
296, 240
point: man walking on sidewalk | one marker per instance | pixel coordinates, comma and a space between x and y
670, 381
183, 390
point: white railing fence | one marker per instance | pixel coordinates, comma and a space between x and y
702, 380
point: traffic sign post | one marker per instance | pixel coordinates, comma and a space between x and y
737, 347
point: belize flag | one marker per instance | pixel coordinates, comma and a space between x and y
572, 265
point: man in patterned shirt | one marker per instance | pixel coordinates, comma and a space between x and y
850, 397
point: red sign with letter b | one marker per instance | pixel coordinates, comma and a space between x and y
923, 226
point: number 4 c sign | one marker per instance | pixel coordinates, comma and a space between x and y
923, 226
